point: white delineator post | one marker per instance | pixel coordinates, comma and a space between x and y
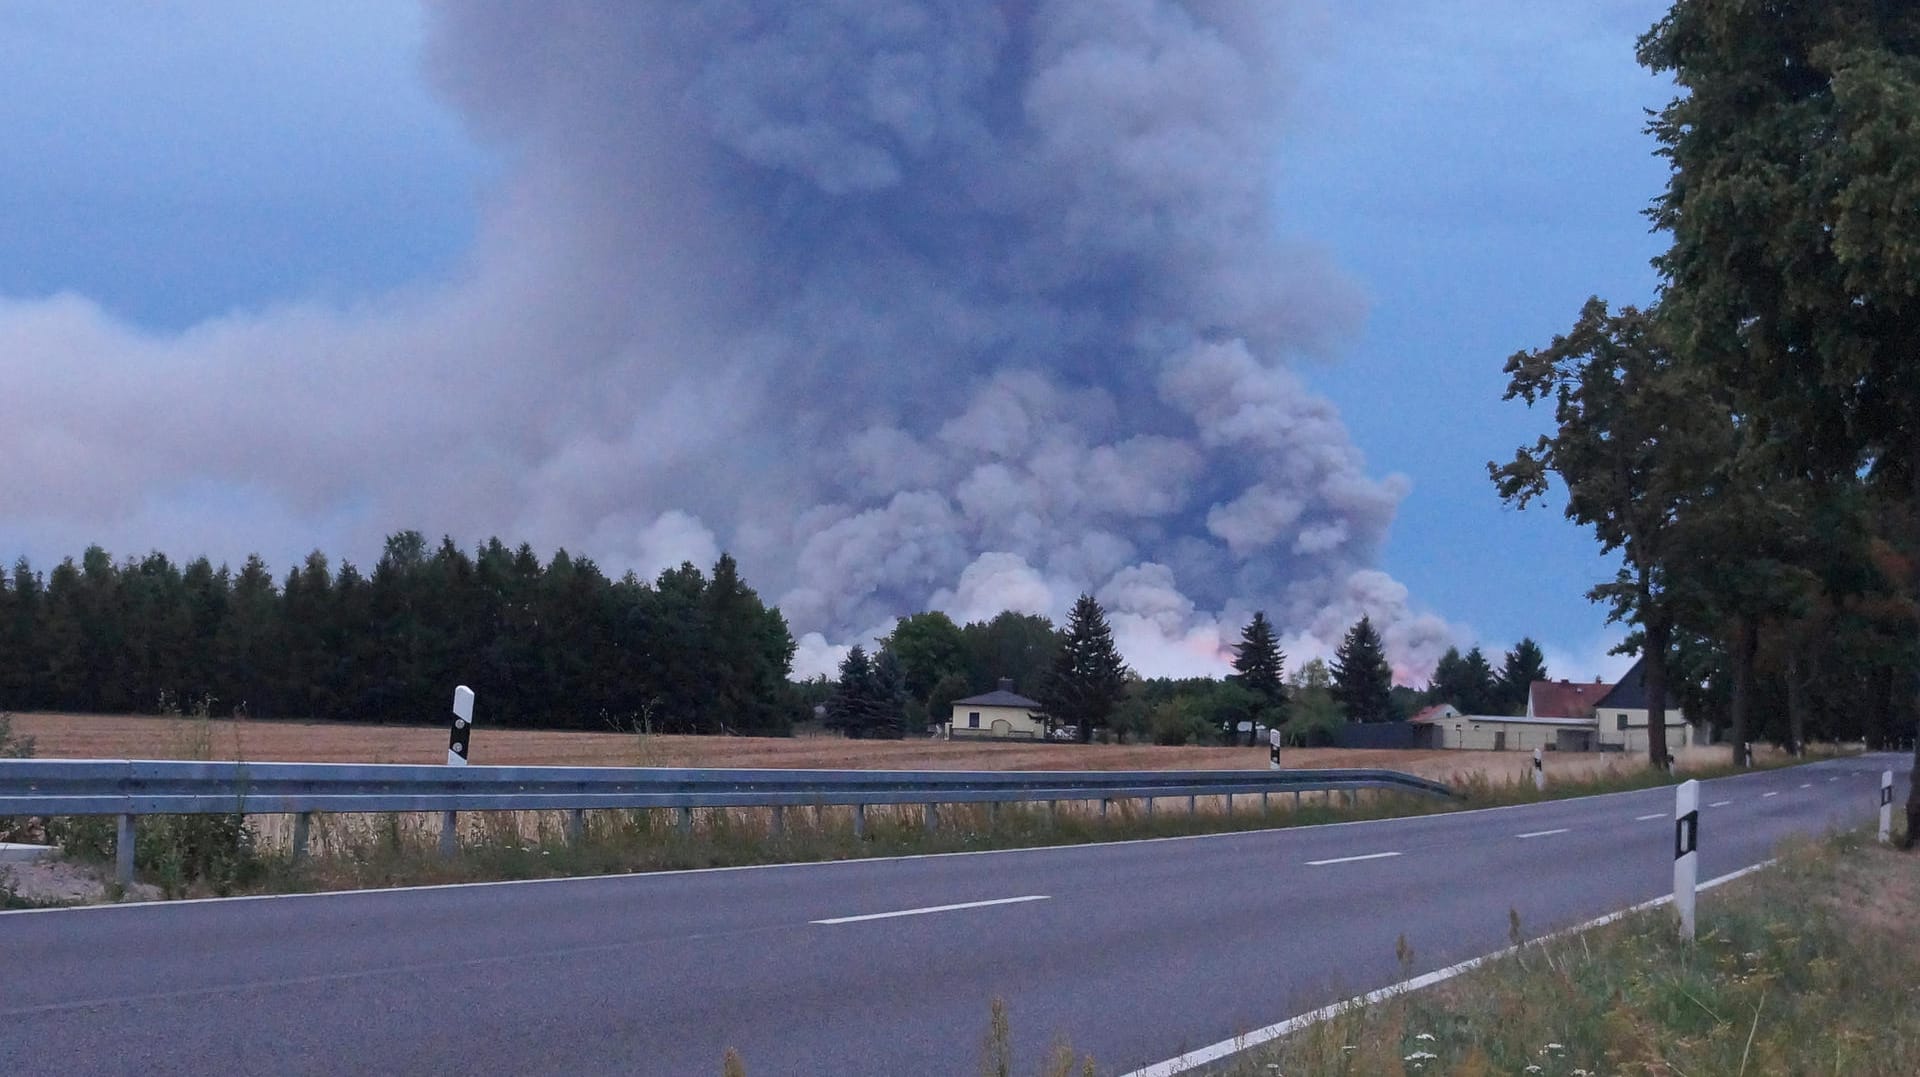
1686, 852
1273, 749
1539, 771
1886, 806
462, 726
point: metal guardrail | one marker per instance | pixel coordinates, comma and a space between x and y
131, 788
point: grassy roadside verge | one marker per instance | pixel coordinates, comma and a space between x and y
214, 855
1809, 967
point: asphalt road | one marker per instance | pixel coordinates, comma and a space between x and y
1133, 951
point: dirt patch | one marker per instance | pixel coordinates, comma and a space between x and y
82, 736
61, 882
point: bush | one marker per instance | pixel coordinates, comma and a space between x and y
15, 747
1175, 722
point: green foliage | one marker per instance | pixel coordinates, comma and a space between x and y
1019, 647
1260, 667
1177, 722
1467, 682
1088, 677
1523, 666
867, 699
1362, 681
559, 645
929, 647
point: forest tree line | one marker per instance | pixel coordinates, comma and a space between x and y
558, 645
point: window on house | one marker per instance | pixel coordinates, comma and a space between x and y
973, 719
1623, 723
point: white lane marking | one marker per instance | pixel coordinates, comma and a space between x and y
1806, 785
1644, 818
1193, 1060
1764, 796
1719, 803
1349, 859
817, 865
931, 909
1543, 833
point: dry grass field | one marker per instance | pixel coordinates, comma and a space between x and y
90, 736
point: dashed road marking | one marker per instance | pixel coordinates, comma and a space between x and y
1349, 859
931, 909
1543, 833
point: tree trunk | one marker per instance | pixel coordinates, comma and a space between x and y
1745, 640
1655, 650
1913, 538
1797, 676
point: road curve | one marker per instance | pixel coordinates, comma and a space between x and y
1134, 951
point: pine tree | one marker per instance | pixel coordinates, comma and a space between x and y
859, 703
1524, 665
1088, 677
1362, 682
1260, 667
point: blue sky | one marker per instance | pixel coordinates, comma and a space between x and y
1479, 170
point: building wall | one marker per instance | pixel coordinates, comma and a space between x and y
995, 722
1483, 735
1634, 738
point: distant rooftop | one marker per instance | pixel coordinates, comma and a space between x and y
1565, 699
1003, 696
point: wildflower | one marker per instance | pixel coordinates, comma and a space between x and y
1419, 1056
1424, 1036
1533, 1069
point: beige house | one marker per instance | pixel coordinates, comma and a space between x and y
1500, 733
1563, 716
1001, 713
1621, 718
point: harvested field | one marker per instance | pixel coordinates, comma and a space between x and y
89, 736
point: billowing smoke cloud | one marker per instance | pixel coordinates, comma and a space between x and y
909, 303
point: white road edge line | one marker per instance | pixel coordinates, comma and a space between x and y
931, 909
1215, 1052
1655, 815
563, 880
1543, 833
1349, 859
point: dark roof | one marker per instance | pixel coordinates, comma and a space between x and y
1565, 699
1631, 693
999, 697
1428, 714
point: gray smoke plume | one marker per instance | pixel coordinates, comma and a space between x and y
909, 303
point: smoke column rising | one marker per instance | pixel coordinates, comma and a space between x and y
910, 303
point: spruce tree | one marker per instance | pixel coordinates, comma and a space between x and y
1260, 667
1362, 682
1524, 665
1480, 689
1088, 676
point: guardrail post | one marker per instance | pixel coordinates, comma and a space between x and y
993, 815
1686, 852
1296, 800
1266, 806
779, 821
449, 833
859, 820
1150, 807
686, 821
1053, 813
1193, 805
576, 826
1886, 806
931, 817
301, 822
1104, 805
123, 843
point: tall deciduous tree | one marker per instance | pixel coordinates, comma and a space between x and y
1639, 439
1362, 680
1088, 678
1260, 666
1795, 265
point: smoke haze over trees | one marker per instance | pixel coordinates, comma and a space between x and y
1015, 276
